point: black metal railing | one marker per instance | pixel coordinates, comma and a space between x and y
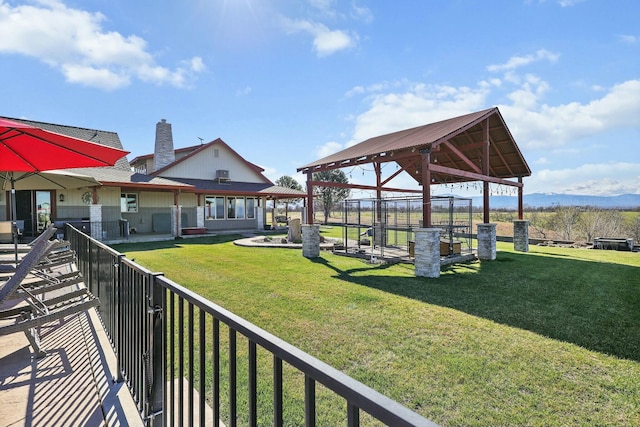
179, 354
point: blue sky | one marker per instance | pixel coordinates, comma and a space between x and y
286, 82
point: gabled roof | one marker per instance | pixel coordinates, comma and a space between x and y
199, 148
455, 143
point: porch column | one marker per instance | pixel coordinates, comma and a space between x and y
310, 240
260, 217
521, 235
486, 242
427, 252
176, 220
200, 213
95, 219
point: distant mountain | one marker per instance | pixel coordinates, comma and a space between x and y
546, 200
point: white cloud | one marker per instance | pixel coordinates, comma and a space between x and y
328, 149
591, 179
627, 38
568, 3
520, 61
553, 129
553, 126
325, 41
74, 42
419, 104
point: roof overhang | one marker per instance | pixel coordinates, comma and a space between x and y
455, 146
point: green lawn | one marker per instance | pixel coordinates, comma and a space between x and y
548, 337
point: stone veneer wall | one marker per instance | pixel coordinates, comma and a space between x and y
310, 240
521, 235
427, 252
487, 242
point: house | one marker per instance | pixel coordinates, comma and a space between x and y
208, 187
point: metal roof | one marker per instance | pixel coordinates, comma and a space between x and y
248, 188
455, 143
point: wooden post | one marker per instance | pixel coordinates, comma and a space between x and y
378, 169
309, 198
426, 187
485, 171
520, 200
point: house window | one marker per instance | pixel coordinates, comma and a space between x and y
251, 204
216, 152
215, 207
128, 202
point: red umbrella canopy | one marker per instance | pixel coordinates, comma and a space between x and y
26, 148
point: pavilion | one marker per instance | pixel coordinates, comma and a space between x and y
473, 147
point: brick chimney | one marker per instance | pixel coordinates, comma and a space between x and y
163, 154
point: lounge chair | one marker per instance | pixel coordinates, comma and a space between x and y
48, 296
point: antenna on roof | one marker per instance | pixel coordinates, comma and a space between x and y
201, 139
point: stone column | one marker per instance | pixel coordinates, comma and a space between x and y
427, 252
200, 216
260, 217
487, 242
310, 240
176, 222
521, 235
95, 220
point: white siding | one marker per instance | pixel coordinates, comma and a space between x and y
204, 166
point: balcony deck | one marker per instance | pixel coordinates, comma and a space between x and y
72, 385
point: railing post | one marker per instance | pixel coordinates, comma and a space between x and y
155, 393
119, 323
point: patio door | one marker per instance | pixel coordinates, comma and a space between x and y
34, 208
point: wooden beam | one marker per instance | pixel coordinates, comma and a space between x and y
472, 176
485, 171
462, 156
361, 187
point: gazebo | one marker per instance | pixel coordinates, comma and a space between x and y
472, 147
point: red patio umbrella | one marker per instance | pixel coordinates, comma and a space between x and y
27, 148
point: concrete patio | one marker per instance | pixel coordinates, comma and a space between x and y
71, 386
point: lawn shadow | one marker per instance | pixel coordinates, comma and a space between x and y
590, 304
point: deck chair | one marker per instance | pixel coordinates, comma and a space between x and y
46, 299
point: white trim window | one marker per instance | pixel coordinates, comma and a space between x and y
251, 208
214, 207
128, 202
235, 207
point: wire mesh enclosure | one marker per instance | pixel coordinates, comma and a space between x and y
384, 227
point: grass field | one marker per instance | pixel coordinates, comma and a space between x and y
548, 337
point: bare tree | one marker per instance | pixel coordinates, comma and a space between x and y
539, 223
595, 222
564, 221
